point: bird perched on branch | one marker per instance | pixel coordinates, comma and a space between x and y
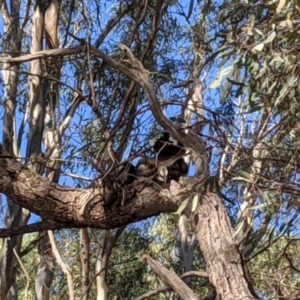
168, 163
165, 146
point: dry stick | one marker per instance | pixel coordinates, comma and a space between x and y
167, 288
170, 278
24, 270
43, 54
62, 265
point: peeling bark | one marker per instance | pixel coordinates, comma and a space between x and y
220, 250
188, 243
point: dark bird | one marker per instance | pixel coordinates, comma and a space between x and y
168, 163
170, 152
166, 146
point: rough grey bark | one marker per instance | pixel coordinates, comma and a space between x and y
62, 206
193, 113
220, 250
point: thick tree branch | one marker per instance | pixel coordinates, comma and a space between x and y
85, 207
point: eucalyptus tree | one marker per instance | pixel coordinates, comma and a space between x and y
220, 78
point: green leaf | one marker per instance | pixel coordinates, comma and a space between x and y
239, 228
259, 207
276, 62
258, 47
292, 81
258, 31
182, 207
216, 83
254, 67
271, 87
253, 196
270, 38
283, 92
224, 72
178, 119
225, 56
195, 202
280, 6
239, 178
245, 175
270, 2
286, 24
292, 134
261, 72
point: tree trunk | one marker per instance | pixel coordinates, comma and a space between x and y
45, 269
223, 260
101, 265
188, 243
14, 214
37, 116
37, 103
85, 262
